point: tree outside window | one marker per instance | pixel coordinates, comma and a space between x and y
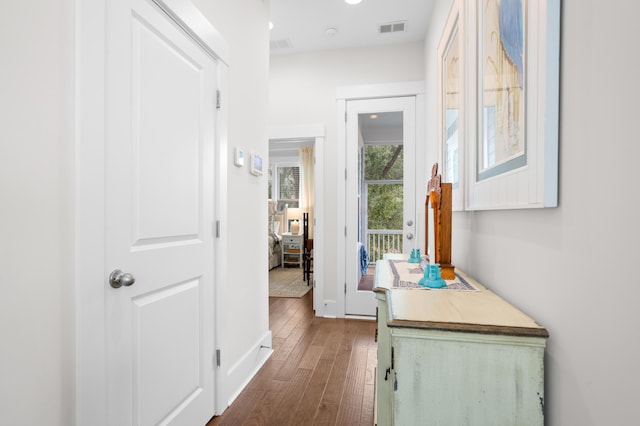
383, 173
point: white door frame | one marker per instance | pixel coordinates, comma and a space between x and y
317, 133
374, 91
89, 176
363, 302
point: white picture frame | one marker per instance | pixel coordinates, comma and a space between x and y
531, 181
452, 102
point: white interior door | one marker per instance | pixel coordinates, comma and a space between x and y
359, 302
160, 148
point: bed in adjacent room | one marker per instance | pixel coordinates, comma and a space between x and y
276, 223
275, 250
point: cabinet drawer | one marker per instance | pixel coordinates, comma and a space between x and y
290, 239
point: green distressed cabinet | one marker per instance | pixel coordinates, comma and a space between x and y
450, 357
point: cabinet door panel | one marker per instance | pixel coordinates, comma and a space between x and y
442, 380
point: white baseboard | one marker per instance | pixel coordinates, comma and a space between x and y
241, 373
330, 309
361, 317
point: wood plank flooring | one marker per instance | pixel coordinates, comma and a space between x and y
367, 280
321, 372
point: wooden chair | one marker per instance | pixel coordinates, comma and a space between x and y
307, 244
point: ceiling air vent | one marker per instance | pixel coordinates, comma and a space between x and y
393, 27
280, 44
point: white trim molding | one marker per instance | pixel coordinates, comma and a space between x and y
240, 374
373, 91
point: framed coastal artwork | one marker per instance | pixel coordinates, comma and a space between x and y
498, 68
502, 91
514, 153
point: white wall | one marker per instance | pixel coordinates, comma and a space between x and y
572, 267
245, 26
36, 207
303, 90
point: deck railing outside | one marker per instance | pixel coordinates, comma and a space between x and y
381, 241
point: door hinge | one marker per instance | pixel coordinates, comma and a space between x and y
345, 174
345, 288
393, 358
345, 231
345, 116
395, 373
217, 229
217, 357
218, 102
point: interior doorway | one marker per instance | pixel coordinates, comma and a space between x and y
291, 205
288, 148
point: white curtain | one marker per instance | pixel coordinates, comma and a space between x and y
306, 196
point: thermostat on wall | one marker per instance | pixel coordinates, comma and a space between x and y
256, 164
239, 157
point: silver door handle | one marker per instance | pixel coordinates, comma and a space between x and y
118, 279
409, 236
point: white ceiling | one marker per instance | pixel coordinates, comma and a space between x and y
303, 23
385, 127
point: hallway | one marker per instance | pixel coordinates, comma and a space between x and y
321, 372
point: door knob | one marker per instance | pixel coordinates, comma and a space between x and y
409, 222
118, 279
409, 236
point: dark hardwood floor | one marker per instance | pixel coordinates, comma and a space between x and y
321, 372
367, 280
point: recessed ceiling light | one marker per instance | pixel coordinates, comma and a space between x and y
373, 116
353, 1
331, 31
270, 25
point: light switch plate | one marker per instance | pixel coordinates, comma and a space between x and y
256, 165
238, 159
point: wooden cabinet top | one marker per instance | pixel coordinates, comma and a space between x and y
475, 311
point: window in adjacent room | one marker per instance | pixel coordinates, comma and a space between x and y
284, 184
